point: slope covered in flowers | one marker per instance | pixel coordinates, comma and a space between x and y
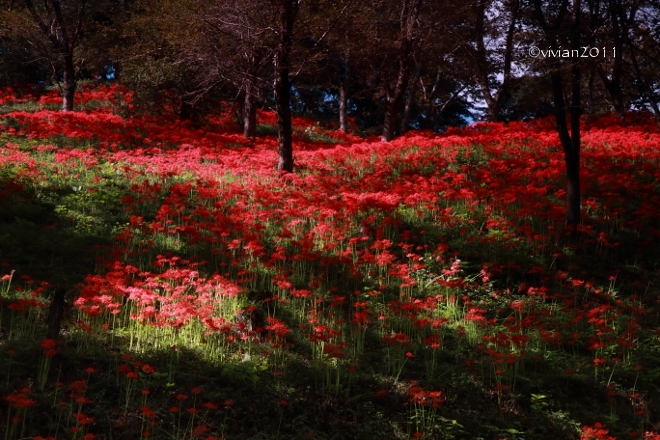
422, 288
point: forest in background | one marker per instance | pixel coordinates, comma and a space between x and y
386, 65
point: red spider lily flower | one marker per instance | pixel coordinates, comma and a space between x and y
210, 406
83, 419
276, 326
147, 412
19, 399
196, 390
48, 344
595, 432
598, 362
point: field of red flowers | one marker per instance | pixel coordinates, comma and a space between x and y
422, 288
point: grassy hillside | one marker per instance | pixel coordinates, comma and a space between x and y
423, 288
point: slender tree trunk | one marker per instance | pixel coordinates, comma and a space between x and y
343, 98
394, 99
343, 122
282, 86
69, 82
284, 130
573, 159
617, 98
409, 15
492, 104
613, 85
494, 101
407, 107
249, 111
492, 112
590, 88
54, 27
186, 112
570, 141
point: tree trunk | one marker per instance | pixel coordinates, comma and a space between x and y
570, 142
409, 15
282, 86
69, 82
284, 130
573, 159
492, 112
54, 27
249, 111
343, 123
343, 98
394, 100
590, 89
492, 104
494, 101
186, 112
613, 85
407, 107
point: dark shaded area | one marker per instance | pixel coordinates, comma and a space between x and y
46, 253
